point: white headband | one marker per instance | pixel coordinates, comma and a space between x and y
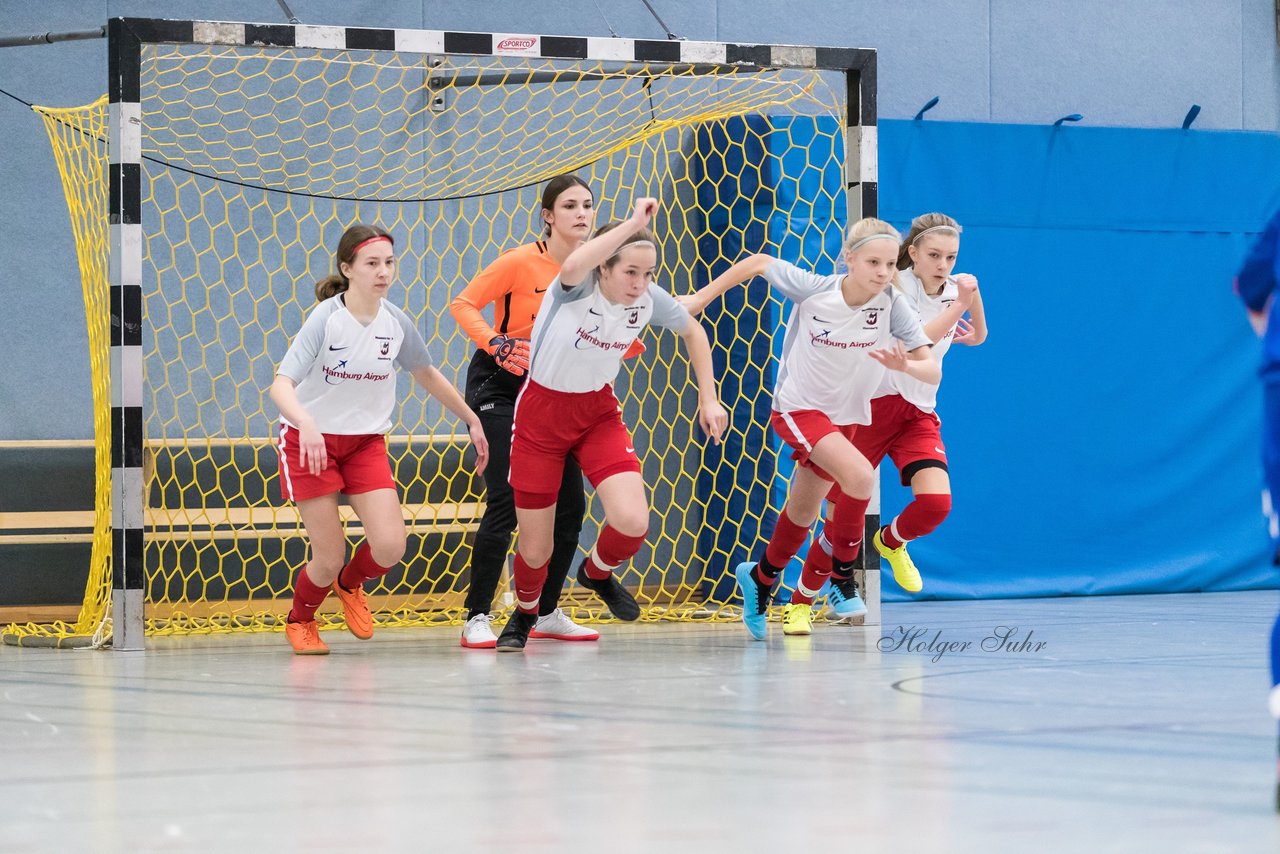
618, 251
950, 228
879, 236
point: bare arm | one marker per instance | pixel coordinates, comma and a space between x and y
918, 363
974, 331
743, 271
711, 415
442, 390
941, 325
311, 447
581, 261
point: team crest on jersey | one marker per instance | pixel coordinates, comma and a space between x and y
634, 317
385, 348
871, 316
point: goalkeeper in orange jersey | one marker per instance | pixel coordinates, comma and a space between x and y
514, 285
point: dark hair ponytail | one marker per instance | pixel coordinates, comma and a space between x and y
352, 238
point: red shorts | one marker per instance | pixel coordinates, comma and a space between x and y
803, 428
552, 425
355, 464
903, 431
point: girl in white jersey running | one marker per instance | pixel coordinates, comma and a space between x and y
904, 426
592, 313
335, 390
844, 331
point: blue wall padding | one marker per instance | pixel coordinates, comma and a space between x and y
1106, 438
777, 193
730, 192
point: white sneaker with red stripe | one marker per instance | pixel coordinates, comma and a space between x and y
478, 633
557, 626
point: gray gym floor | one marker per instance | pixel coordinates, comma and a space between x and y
1139, 724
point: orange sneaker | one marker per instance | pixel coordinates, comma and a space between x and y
356, 610
305, 638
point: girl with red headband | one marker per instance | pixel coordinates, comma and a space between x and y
336, 390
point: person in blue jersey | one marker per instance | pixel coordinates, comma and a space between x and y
1256, 284
336, 389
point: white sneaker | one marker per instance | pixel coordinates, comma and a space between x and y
557, 626
478, 634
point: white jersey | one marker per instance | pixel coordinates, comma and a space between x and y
922, 395
343, 368
824, 364
580, 337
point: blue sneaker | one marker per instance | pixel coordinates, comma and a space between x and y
755, 601
843, 598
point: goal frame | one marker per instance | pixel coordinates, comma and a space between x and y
126, 38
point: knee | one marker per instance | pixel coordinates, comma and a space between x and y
388, 549
857, 479
631, 523
534, 552
801, 513
933, 508
324, 567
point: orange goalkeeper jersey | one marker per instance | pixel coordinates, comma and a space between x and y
514, 284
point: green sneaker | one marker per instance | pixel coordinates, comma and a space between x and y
904, 568
797, 619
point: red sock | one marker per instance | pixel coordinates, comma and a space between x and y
787, 539
612, 549
845, 529
362, 568
812, 577
529, 581
925, 513
818, 560
307, 597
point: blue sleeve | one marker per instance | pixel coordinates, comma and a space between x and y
1261, 268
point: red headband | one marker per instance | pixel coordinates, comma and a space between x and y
363, 243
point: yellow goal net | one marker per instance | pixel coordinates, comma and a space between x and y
254, 158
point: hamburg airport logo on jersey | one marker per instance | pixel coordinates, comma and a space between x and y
586, 338
339, 374
824, 339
